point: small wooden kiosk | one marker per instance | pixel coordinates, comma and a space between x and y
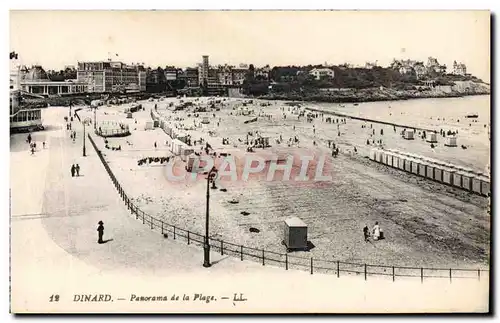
295, 234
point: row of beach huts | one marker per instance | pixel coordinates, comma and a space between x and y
177, 138
457, 176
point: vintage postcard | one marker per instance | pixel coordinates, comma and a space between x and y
250, 161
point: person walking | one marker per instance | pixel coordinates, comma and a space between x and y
32, 150
43, 145
29, 139
366, 233
100, 230
77, 168
73, 170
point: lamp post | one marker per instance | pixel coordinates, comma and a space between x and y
206, 245
85, 122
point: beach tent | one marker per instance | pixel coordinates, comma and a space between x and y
451, 141
432, 137
408, 135
373, 153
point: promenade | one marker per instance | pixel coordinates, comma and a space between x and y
54, 251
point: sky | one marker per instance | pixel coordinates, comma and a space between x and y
54, 39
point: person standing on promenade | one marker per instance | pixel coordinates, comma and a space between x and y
100, 230
73, 170
77, 168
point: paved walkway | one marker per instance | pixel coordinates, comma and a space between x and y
54, 251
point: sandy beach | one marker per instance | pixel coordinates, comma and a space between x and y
450, 229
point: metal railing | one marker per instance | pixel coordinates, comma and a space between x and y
266, 257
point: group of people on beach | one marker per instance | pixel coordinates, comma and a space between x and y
376, 233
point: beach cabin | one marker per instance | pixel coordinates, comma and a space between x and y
395, 160
485, 186
388, 158
295, 234
467, 181
176, 146
448, 175
408, 135
401, 162
187, 155
457, 178
415, 163
408, 164
438, 173
432, 137
476, 184
429, 170
373, 154
380, 156
451, 141
422, 168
